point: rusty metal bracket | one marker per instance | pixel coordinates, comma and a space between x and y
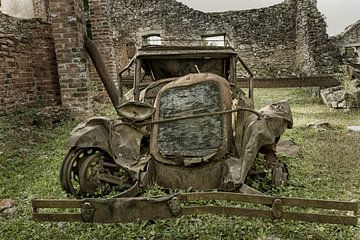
175, 206
239, 109
126, 210
87, 212
277, 208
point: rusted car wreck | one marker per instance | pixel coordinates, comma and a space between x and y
185, 124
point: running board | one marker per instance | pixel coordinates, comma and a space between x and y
124, 210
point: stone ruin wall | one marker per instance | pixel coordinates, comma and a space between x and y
43, 62
252, 32
349, 43
28, 72
287, 39
315, 53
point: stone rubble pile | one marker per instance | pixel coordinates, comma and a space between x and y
340, 97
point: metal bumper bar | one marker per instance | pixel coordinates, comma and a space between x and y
126, 210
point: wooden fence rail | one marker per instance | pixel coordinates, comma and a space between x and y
291, 82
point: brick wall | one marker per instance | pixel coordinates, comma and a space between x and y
68, 31
28, 73
102, 35
124, 51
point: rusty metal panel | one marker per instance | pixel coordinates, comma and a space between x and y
209, 176
162, 68
234, 211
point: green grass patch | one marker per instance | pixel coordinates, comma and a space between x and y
328, 168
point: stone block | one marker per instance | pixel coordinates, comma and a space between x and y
333, 104
353, 128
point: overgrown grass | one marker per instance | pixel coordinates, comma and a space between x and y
328, 168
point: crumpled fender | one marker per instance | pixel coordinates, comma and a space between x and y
252, 133
91, 133
120, 140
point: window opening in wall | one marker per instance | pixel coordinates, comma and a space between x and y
214, 40
153, 39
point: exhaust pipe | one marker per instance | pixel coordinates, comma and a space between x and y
104, 75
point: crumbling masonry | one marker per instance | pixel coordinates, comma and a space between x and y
43, 61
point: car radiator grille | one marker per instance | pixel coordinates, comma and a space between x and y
195, 137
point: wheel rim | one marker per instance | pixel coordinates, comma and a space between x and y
69, 173
80, 171
90, 170
63, 182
